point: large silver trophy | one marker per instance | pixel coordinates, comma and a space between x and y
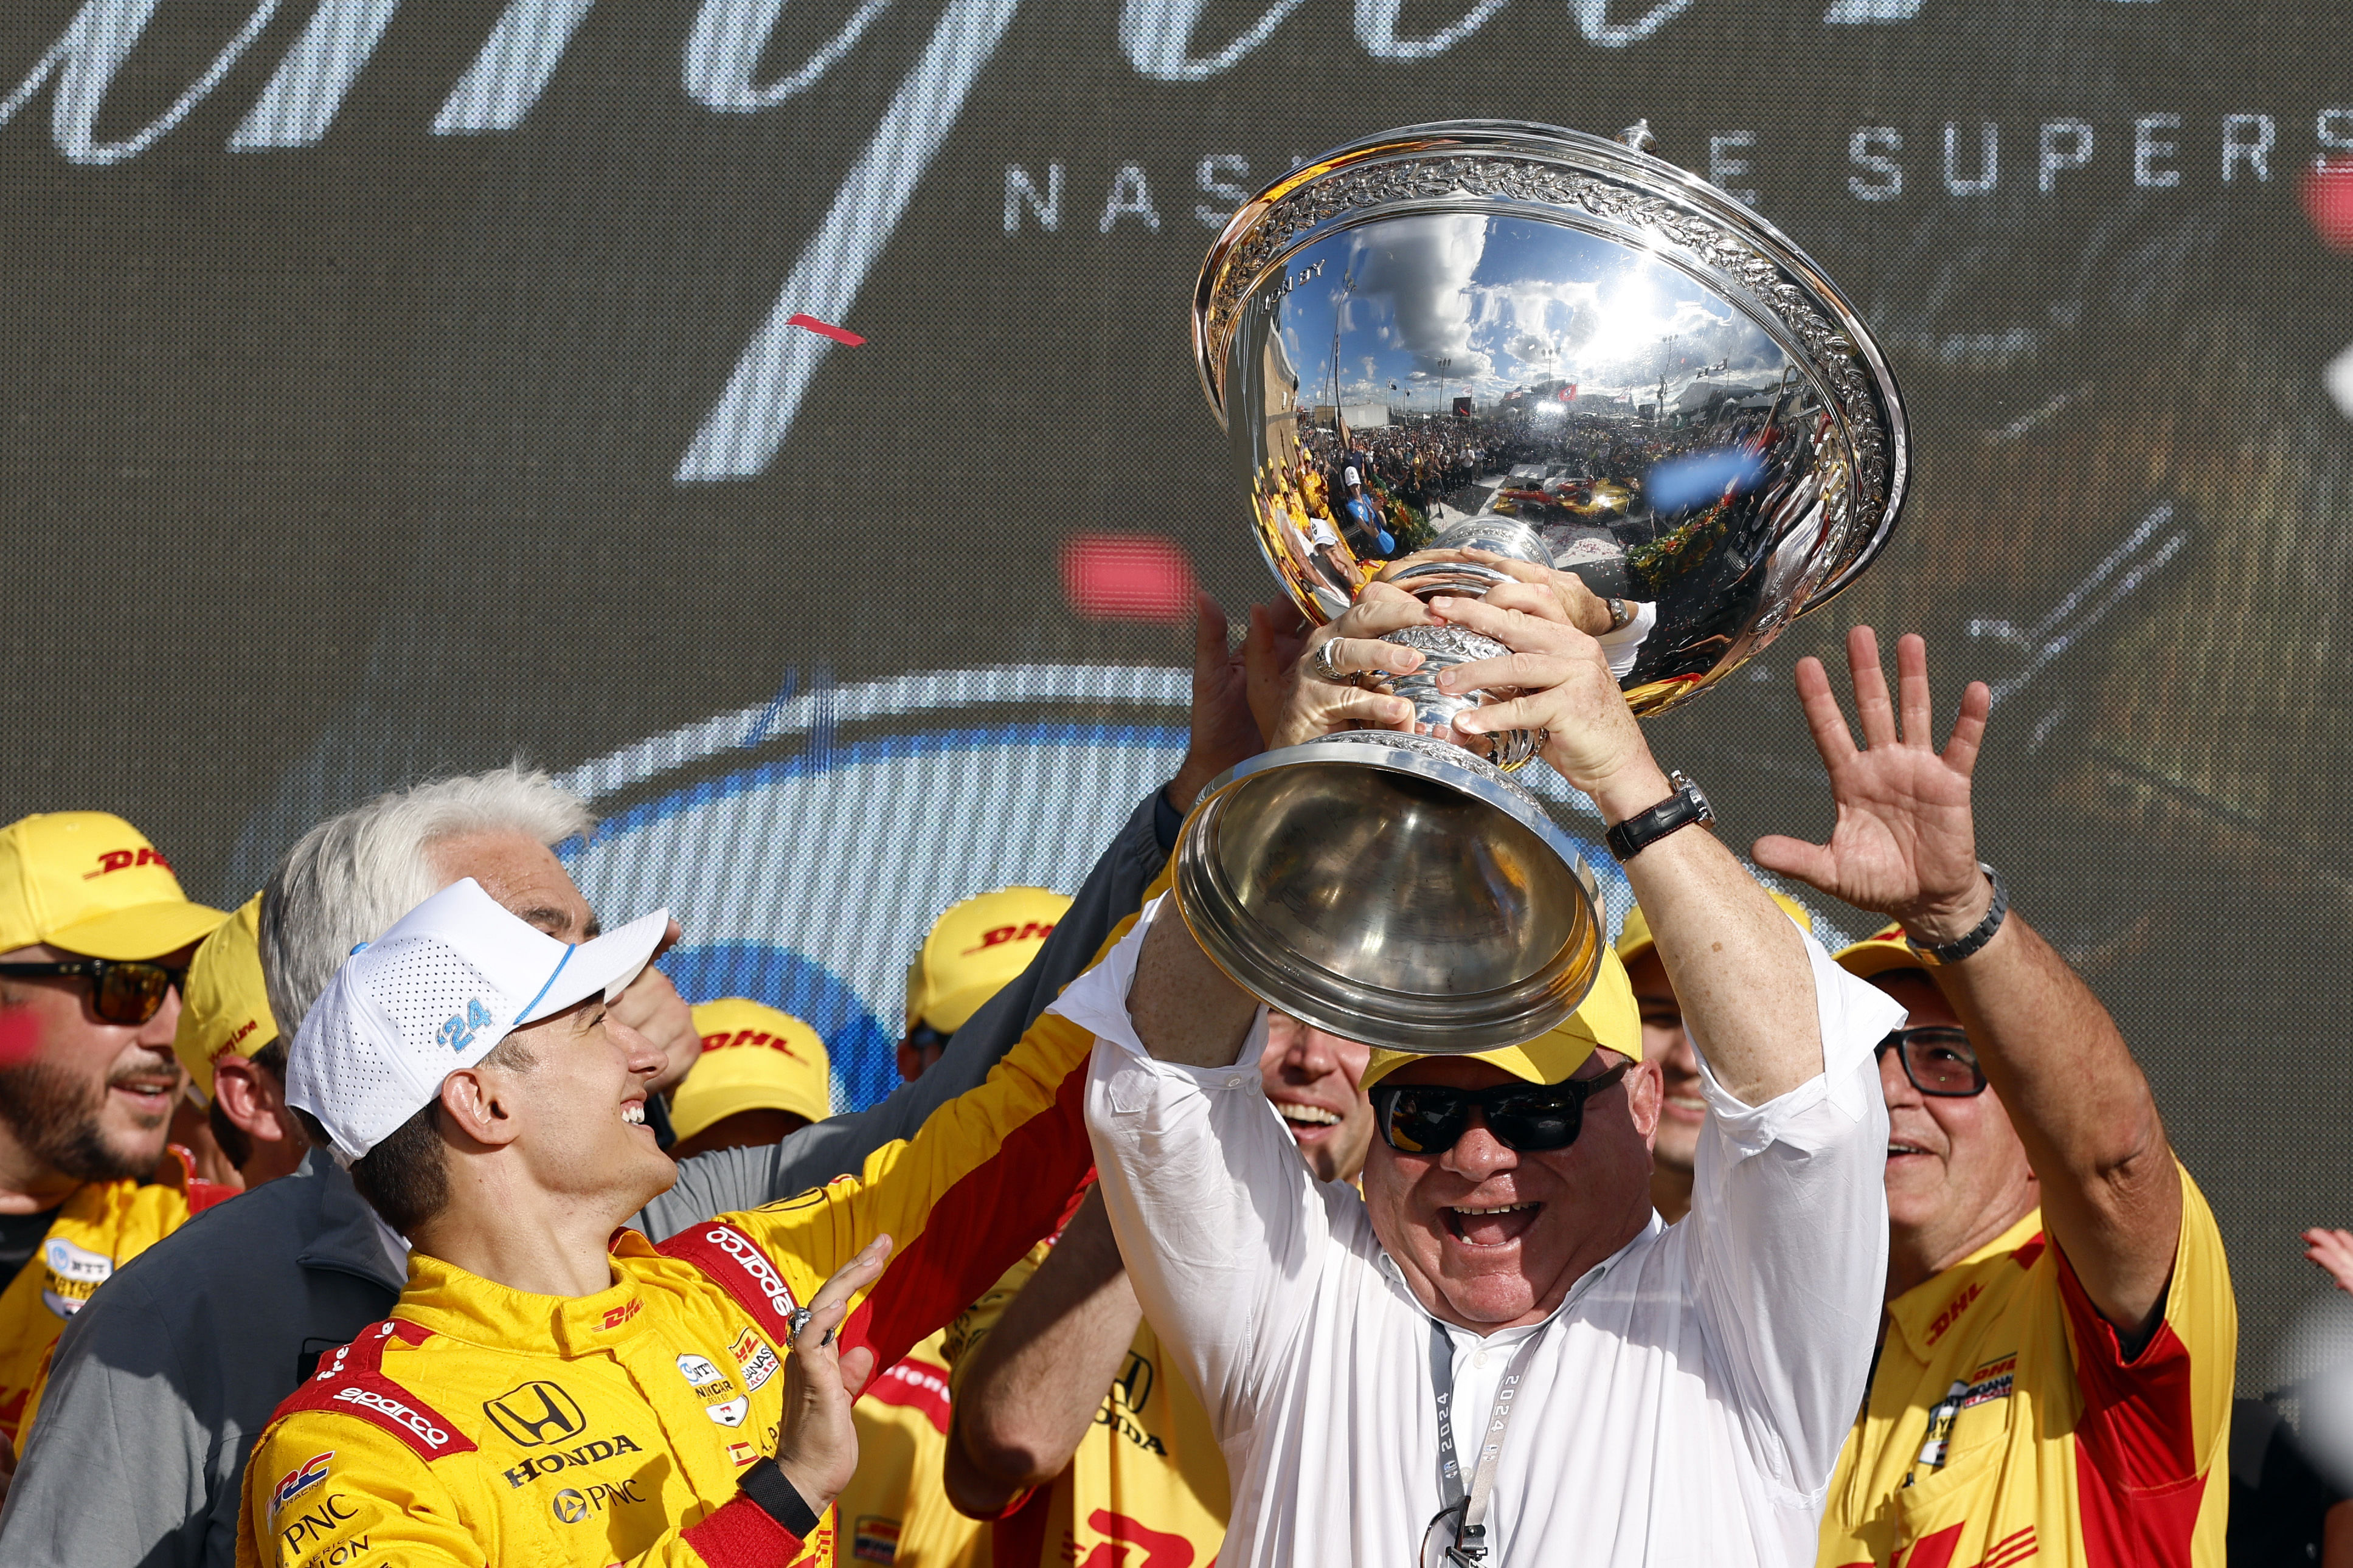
1548, 345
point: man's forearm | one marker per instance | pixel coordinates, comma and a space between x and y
1738, 964
1185, 1009
1037, 1379
2082, 1108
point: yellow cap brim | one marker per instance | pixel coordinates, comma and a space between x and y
1607, 1017
690, 1115
140, 931
1876, 956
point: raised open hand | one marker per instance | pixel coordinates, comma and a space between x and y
1905, 843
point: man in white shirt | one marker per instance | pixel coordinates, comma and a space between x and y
1615, 1391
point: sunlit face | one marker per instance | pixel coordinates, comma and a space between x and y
1491, 1237
581, 1131
1956, 1169
1311, 1077
90, 1099
1682, 1108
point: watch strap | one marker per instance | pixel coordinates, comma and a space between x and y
767, 1485
1644, 828
1979, 934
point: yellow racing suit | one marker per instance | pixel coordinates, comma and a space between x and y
481, 1425
100, 1227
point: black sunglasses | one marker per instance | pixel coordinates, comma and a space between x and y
1428, 1118
1938, 1060
120, 992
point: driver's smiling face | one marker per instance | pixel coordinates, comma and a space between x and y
1491, 1237
1955, 1166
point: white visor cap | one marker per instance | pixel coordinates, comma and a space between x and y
437, 991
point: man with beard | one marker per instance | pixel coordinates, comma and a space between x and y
1071, 1427
94, 942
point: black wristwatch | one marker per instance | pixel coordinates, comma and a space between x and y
1644, 828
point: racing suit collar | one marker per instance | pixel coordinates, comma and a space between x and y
448, 1300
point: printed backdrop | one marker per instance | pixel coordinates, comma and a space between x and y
387, 389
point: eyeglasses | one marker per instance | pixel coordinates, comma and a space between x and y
1938, 1060
120, 992
1428, 1119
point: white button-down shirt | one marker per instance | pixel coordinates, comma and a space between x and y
1688, 1399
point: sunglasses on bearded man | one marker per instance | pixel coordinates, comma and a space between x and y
120, 992
1532, 1117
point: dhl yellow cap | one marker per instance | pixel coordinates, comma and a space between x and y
1607, 1017
755, 1058
89, 882
1634, 939
1882, 951
225, 1007
975, 949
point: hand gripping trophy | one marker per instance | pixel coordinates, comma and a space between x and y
1548, 346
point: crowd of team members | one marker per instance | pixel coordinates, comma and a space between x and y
416, 1282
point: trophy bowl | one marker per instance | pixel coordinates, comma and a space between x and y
1548, 345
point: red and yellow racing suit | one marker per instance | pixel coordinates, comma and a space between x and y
482, 1424
100, 1227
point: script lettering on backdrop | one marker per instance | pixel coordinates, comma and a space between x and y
748, 421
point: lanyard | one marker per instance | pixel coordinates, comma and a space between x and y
1470, 1546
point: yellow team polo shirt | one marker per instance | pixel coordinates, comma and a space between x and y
895, 1510
2049, 1447
100, 1227
1147, 1486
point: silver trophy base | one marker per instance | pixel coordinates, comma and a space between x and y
1393, 890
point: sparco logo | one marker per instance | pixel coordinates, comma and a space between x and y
763, 1272
368, 1399
726, 44
594, 1453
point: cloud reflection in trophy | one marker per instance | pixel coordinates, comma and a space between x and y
1642, 384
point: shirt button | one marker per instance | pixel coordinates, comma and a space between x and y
1480, 1359
1234, 1080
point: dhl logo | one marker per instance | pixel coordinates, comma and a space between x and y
998, 936
722, 1040
125, 859
1953, 1310
621, 1314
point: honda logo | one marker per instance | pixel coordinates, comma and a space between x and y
536, 1413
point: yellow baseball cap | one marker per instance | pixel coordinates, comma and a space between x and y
975, 949
755, 1058
1634, 939
225, 1008
1607, 1017
1882, 951
89, 882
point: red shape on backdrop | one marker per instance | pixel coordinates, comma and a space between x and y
2327, 194
1127, 577
825, 329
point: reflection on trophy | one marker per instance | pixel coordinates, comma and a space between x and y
1556, 348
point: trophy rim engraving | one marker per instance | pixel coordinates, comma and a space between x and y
1603, 186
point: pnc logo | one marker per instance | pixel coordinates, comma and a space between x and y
574, 1504
124, 859
321, 1520
536, 1413
998, 936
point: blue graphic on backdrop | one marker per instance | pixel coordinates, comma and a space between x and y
864, 1067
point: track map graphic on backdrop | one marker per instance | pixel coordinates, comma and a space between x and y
778, 420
